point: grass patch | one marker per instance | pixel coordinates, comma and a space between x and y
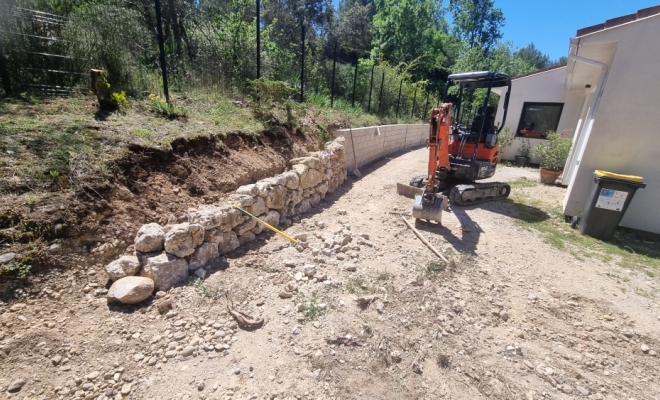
205, 291
309, 306
358, 284
626, 248
432, 268
523, 183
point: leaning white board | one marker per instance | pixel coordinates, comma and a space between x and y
611, 199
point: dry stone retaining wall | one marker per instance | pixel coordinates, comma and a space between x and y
168, 255
376, 142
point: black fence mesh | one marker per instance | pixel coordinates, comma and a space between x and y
209, 47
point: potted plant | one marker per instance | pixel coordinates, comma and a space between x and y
553, 154
522, 159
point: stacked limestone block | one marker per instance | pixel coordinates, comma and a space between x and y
168, 255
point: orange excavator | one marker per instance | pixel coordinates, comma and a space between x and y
460, 155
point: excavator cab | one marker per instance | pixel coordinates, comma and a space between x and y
460, 154
473, 150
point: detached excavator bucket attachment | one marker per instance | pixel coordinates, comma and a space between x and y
408, 191
431, 212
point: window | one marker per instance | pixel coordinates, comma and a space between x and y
538, 119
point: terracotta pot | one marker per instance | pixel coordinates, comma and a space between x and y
549, 176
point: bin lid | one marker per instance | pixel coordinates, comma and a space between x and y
629, 178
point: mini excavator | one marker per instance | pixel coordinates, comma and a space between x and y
460, 155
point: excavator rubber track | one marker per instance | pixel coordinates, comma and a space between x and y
478, 193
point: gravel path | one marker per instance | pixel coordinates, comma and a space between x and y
361, 309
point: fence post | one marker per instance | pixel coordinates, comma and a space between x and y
398, 101
258, 39
302, 64
357, 63
371, 86
380, 100
412, 112
161, 48
4, 75
332, 90
426, 107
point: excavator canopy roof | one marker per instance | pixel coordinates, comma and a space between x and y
480, 79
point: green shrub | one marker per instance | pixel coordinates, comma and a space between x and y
264, 90
119, 100
169, 110
554, 152
16, 271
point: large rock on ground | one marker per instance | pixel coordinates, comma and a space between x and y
292, 180
311, 162
258, 207
204, 253
272, 218
124, 266
246, 237
242, 200
309, 177
130, 290
208, 216
249, 190
232, 218
150, 238
245, 226
182, 239
230, 242
165, 270
214, 236
276, 197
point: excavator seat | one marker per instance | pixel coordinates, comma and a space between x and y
484, 118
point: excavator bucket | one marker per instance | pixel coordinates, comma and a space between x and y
408, 191
431, 212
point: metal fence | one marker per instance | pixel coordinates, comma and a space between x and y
187, 47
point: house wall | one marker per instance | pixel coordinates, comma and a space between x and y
625, 137
376, 142
544, 87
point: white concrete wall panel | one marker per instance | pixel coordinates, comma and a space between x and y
374, 143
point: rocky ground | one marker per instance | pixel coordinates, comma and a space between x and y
360, 309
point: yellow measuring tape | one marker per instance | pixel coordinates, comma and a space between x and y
266, 224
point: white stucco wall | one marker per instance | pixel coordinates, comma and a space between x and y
625, 137
544, 87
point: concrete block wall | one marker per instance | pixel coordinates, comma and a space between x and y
376, 142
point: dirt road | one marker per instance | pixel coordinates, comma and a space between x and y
361, 309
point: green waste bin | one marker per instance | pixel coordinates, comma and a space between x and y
609, 199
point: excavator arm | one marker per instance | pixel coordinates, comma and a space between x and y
438, 145
429, 204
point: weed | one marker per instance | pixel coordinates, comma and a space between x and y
142, 133
383, 276
432, 268
204, 291
358, 284
119, 100
310, 306
523, 183
650, 274
18, 271
169, 110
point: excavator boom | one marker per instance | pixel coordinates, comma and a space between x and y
429, 204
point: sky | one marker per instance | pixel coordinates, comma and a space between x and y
550, 24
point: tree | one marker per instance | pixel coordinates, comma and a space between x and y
477, 22
353, 29
533, 56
